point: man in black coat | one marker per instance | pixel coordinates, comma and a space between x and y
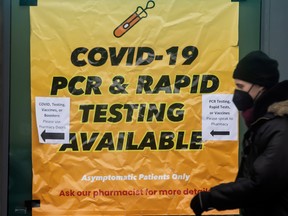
261, 186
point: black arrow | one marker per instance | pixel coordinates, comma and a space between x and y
55, 136
220, 133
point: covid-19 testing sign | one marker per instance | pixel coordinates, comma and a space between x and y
132, 109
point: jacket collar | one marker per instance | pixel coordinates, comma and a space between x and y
275, 101
279, 108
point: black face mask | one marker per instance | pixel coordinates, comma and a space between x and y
242, 100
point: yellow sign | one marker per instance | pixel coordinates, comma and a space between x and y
133, 74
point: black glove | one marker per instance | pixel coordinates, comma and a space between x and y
200, 203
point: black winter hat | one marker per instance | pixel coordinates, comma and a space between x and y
258, 68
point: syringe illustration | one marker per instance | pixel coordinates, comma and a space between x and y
134, 18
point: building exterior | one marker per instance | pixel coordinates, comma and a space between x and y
262, 25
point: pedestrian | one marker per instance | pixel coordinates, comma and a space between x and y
261, 185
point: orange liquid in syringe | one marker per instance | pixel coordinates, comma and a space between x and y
126, 25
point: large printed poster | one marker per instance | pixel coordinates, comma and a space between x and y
131, 104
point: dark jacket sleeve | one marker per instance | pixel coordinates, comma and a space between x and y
268, 174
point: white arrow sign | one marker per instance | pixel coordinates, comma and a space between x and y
53, 119
219, 117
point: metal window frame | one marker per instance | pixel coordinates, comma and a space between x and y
5, 100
